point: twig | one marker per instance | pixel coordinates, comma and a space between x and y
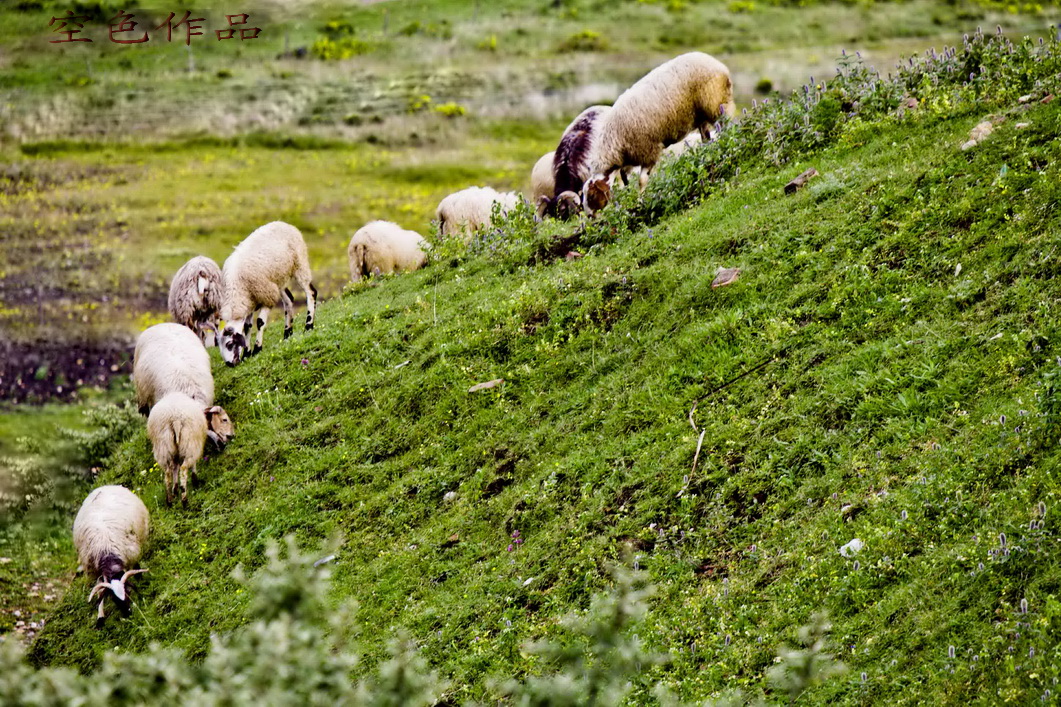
696, 457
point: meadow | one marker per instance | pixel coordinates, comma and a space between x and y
884, 368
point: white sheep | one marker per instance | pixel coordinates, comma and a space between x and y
109, 534
195, 296
256, 276
178, 427
170, 358
382, 248
471, 210
690, 92
542, 184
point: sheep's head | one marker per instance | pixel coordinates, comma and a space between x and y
596, 194
567, 205
233, 344
113, 577
544, 208
219, 426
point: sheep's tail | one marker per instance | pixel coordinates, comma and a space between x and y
571, 156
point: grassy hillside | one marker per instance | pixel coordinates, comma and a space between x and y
885, 368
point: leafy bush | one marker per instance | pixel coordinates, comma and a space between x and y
585, 41
296, 650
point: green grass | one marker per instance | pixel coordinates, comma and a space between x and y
901, 402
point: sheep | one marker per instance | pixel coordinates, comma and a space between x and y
542, 184
382, 247
170, 358
178, 427
690, 92
195, 296
471, 210
571, 158
255, 276
109, 534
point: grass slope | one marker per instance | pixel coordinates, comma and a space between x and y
903, 401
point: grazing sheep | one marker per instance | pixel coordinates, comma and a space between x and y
256, 275
571, 163
382, 247
109, 534
690, 92
471, 210
195, 296
542, 184
178, 427
170, 358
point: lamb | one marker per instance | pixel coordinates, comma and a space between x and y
178, 427
195, 296
256, 275
542, 184
109, 534
382, 247
471, 210
690, 92
170, 358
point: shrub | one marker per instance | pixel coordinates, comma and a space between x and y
585, 41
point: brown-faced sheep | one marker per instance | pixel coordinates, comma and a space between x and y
471, 210
178, 427
195, 296
109, 534
690, 92
256, 277
382, 248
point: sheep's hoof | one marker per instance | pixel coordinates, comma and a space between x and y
288, 331
309, 326
100, 620
255, 351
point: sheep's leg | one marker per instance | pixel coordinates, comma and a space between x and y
247, 324
311, 305
212, 325
288, 301
645, 172
184, 480
263, 319
100, 616
168, 475
625, 176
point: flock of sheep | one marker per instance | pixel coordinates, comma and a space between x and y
668, 110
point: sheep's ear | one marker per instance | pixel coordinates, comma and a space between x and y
212, 410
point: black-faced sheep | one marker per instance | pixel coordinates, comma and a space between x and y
471, 210
109, 534
256, 277
382, 248
690, 92
178, 427
195, 296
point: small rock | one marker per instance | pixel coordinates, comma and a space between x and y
800, 181
450, 497
1025, 98
1021, 126
852, 548
487, 385
725, 276
1048, 98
